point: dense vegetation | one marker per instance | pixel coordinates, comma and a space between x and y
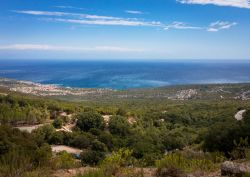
141, 131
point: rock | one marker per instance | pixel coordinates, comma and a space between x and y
231, 168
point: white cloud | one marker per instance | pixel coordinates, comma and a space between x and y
69, 7
91, 19
121, 22
220, 25
232, 3
68, 48
134, 12
87, 19
181, 25
66, 14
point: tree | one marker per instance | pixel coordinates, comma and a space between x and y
88, 120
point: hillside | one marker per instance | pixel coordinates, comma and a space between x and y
171, 131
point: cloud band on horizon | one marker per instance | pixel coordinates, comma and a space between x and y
68, 48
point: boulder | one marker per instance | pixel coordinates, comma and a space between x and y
233, 169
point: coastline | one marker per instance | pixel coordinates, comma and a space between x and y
237, 91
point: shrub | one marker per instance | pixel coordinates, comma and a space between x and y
99, 146
80, 141
57, 138
43, 155
119, 125
91, 157
117, 160
179, 161
57, 123
88, 120
121, 112
64, 160
15, 162
239, 152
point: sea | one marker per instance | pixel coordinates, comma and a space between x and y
126, 74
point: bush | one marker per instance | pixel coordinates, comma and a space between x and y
116, 165
179, 161
57, 123
20, 153
119, 125
91, 157
113, 164
80, 141
99, 146
43, 155
121, 112
15, 162
57, 138
64, 160
43, 133
107, 139
89, 120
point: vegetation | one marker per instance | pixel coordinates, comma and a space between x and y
184, 163
88, 120
140, 132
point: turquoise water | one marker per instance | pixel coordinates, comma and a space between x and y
126, 74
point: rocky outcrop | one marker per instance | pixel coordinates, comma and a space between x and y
233, 169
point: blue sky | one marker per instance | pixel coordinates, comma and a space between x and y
125, 29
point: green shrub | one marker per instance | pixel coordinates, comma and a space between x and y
119, 125
99, 146
116, 161
80, 141
57, 123
179, 161
89, 120
56, 138
64, 160
91, 157
15, 162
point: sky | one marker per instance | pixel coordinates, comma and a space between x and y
125, 29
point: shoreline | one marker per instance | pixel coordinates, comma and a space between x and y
53, 86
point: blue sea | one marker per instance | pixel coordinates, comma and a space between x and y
126, 74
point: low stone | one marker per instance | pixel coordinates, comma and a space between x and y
231, 168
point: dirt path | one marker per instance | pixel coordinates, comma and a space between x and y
60, 148
29, 128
